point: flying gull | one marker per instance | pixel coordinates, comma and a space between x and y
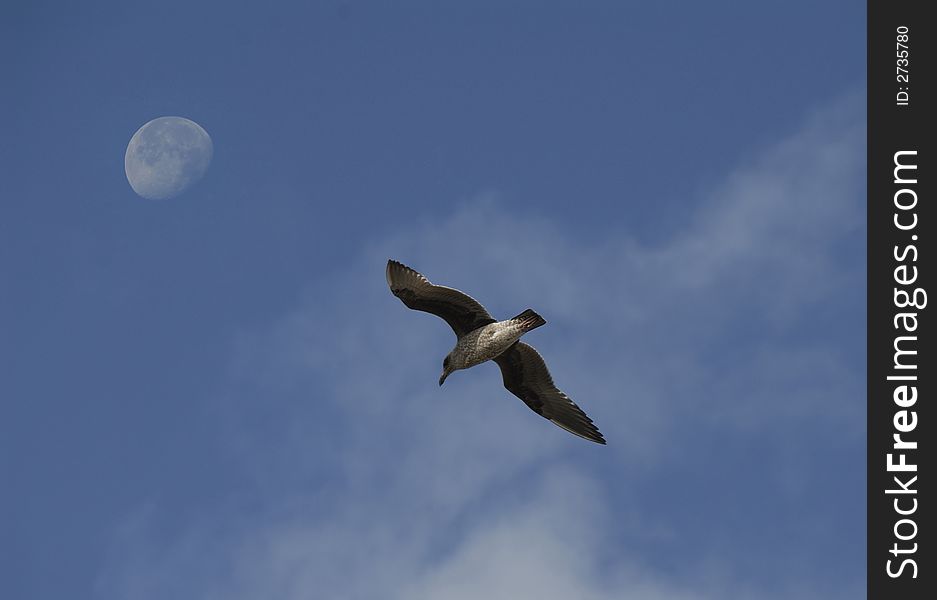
482, 338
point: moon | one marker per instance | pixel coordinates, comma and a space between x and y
166, 156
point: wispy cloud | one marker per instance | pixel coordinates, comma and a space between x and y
370, 481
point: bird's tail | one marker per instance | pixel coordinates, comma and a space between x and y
528, 320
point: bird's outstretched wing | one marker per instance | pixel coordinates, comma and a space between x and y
526, 376
461, 311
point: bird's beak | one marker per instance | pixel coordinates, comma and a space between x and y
443, 378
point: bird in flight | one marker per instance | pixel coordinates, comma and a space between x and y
482, 338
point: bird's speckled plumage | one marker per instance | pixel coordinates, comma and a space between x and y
488, 341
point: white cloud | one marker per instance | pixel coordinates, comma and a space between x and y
373, 482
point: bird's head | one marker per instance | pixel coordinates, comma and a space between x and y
446, 369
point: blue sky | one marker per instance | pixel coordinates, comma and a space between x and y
216, 396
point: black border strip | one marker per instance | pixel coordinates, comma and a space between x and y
901, 371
